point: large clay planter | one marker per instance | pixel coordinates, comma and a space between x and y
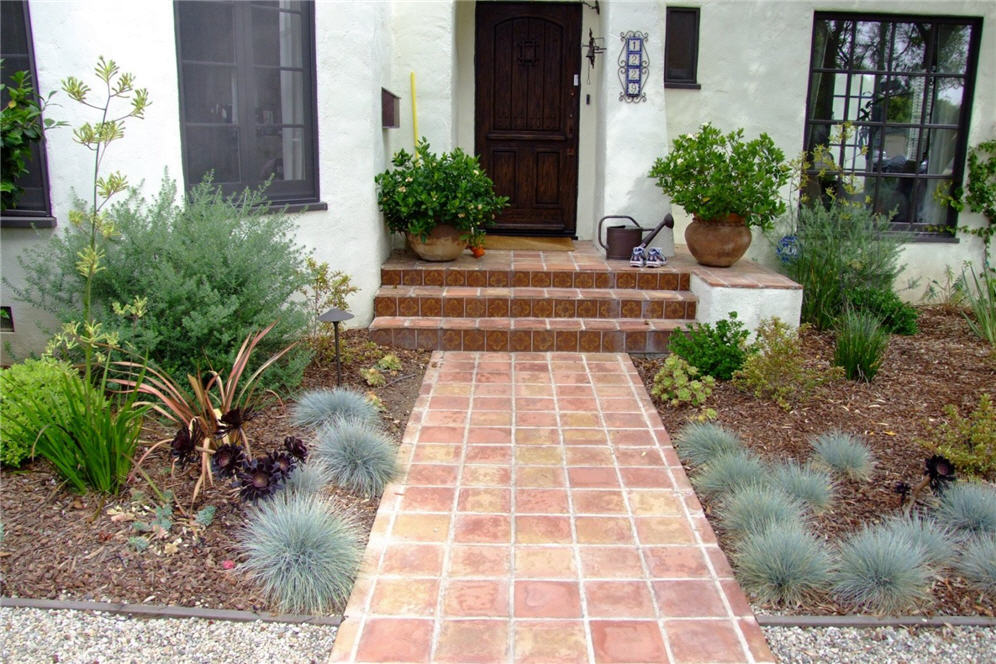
442, 244
718, 242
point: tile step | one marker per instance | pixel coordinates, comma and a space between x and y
468, 302
427, 274
590, 335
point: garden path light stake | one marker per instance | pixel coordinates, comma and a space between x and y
336, 316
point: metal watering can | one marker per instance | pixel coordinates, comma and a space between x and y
621, 240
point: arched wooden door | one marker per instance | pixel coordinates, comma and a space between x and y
528, 60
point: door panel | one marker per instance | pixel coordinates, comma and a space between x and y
526, 111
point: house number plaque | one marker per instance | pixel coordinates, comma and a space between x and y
633, 66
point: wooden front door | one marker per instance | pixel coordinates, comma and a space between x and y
527, 67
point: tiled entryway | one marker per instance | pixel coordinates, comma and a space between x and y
542, 516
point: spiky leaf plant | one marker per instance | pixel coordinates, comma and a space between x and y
728, 471
861, 345
358, 455
755, 508
977, 562
880, 570
308, 478
699, 442
782, 565
844, 454
302, 555
317, 408
934, 540
969, 507
812, 486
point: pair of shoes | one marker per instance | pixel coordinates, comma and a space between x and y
655, 258
638, 258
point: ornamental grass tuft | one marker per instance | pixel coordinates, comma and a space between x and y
754, 508
880, 570
844, 454
934, 540
729, 471
358, 455
811, 486
977, 562
968, 507
783, 565
317, 408
861, 344
308, 478
302, 555
699, 442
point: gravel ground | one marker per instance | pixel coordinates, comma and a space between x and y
85, 637
882, 645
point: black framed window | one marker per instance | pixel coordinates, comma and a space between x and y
33, 207
247, 95
903, 85
681, 48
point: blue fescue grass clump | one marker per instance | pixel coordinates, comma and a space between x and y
977, 562
699, 442
782, 565
755, 508
969, 507
302, 555
308, 478
812, 486
358, 455
845, 454
317, 408
728, 471
934, 540
880, 570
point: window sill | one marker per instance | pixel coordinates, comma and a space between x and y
681, 85
293, 208
19, 221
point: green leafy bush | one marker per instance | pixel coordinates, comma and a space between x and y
303, 556
676, 383
881, 570
969, 442
812, 486
31, 399
860, 345
729, 471
358, 455
838, 250
844, 454
754, 508
211, 272
715, 351
777, 370
896, 316
784, 565
699, 442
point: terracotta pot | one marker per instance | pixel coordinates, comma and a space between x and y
442, 244
718, 242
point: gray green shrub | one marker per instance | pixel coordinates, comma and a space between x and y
845, 454
934, 540
807, 484
358, 455
317, 408
728, 471
699, 442
212, 271
968, 507
755, 508
977, 562
860, 345
880, 570
302, 555
782, 565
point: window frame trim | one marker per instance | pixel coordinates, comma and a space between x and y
946, 231
691, 83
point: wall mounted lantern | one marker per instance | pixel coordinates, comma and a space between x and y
633, 66
593, 49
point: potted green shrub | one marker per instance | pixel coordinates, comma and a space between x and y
438, 201
729, 185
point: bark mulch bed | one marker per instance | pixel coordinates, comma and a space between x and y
61, 545
943, 364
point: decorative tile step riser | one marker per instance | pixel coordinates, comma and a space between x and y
643, 279
585, 341
680, 307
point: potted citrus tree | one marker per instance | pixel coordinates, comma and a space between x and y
439, 201
729, 185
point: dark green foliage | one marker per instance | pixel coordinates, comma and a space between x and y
30, 399
715, 350
861, 344
896, 316
840, 249
783, 564
213, 272
21, 126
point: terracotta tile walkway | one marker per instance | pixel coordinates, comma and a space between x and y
542, 517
